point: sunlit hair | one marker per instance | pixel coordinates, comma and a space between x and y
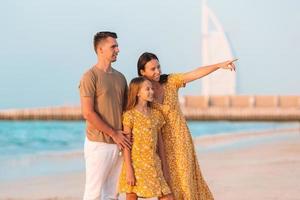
100, 36
134, 88
144, 59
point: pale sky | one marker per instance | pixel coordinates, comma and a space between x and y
47, 45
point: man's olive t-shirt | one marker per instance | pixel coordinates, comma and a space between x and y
109, 91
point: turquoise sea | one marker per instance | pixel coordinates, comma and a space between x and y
35, 148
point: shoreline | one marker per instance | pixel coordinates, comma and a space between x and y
235, 137
229, 172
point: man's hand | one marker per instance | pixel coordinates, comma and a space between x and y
121, 140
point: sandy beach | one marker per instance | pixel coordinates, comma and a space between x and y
268, 170
262, 165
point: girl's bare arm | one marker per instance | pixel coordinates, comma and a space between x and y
127, 159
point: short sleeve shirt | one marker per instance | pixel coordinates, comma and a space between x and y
108, 90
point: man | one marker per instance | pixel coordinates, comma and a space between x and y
102, 94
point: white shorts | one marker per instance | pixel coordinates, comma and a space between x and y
103, 166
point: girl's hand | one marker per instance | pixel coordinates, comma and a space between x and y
228, 64
130, 179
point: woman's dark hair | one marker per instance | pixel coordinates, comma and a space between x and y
163, 78
144, 59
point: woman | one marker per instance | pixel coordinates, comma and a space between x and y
185, 179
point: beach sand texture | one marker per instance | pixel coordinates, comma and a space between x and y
265, 169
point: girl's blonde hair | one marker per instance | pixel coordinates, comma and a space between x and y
134, 88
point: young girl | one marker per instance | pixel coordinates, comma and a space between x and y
144, 169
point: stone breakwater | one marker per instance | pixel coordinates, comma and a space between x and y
236, 108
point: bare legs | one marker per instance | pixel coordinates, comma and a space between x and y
166, 197
133, 196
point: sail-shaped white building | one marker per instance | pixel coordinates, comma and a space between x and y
215, 48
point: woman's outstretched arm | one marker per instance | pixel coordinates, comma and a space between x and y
205, 70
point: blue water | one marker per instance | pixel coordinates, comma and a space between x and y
33, 148
27, 137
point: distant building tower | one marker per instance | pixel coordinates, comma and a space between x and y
215, 48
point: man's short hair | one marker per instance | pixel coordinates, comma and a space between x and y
100, 36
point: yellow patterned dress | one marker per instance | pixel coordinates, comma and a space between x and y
187, 182
150, 181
